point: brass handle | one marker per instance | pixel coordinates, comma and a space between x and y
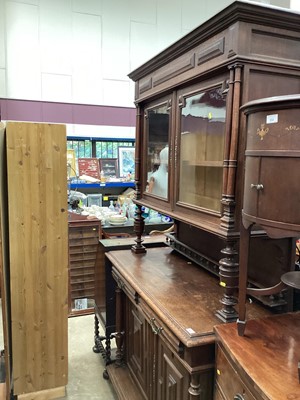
239, 397
155, 329
258, 186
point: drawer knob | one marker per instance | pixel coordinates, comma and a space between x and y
155, 329
239, 396
258, 186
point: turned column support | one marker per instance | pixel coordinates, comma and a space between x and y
231, 149
229, 266
229, 275
119, 335
195, 388
139, 223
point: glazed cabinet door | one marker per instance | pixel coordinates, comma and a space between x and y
201, 137
156, 144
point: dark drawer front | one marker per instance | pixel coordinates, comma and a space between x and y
228, 381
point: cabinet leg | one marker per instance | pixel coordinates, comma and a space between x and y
96, 335
119, 352
97, 338
244, 256
107, 351
195, 388
119, 335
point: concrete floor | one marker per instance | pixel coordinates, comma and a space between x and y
85, 366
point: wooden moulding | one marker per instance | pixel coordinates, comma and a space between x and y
44, 394
125, 387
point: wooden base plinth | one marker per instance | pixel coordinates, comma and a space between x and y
48, 394
125, 387
2, 391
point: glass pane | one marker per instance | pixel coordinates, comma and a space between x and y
88, 148
115, 150
158, 151
109, 150
202, 149
98, 150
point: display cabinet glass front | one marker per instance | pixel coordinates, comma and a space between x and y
202, 149
157, 120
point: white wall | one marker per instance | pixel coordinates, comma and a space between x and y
80, 51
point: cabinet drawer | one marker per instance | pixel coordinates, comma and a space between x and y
82, 293
88, 250
228, 381
85, 271
92, 241
218, 395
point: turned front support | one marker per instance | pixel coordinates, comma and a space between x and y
229, 273
119, 335
195, 388
139, 223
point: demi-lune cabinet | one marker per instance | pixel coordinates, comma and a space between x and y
271, 194
191, 137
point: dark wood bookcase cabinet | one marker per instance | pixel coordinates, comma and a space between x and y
190, 164
84, 235
190, 124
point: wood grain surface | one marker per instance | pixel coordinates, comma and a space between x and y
181, 293
4, 267
267, 357
38, 241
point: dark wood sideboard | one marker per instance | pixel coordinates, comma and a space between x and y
165, 314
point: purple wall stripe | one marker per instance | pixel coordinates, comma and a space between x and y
67, 113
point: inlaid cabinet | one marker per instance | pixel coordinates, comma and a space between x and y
272, 165
271, 195
191, 136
